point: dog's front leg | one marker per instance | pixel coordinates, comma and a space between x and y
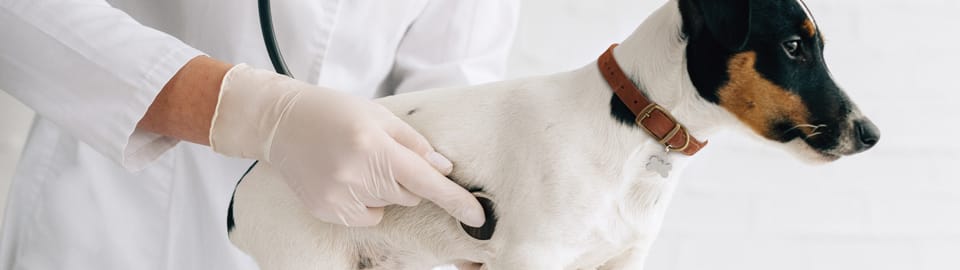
528, 256
542, 262
632, 259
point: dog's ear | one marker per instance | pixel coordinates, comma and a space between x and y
727, 21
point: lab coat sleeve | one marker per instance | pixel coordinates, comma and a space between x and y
91, 69
456, 43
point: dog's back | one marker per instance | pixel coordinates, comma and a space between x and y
478, 128
510, 139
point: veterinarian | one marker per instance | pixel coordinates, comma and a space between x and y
146, 120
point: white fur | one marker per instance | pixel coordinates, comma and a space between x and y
568, 181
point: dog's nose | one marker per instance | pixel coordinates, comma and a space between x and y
867, 134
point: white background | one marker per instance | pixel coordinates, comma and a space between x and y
744, 206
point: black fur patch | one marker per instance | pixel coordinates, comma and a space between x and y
364, 262
707, 55
770, 25
621, 112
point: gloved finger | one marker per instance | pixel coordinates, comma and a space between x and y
414, 201
385, 191
418, 177
407, 136
368, 189
371, 216
380, 187
340, 206
396, 194
403, 197
372, 200
350, 214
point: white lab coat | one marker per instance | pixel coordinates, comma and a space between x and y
92, 193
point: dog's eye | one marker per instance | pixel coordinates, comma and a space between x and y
792, 48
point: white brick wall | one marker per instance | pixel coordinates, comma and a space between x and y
743, 206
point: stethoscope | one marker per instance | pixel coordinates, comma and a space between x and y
276, 58
270, 39
484, 232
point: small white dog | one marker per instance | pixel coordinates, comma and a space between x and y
571, 178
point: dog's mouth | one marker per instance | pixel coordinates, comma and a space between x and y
814, 143
828, 156
806, 152
826, 147
822, 143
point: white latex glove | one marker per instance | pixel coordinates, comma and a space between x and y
345, 157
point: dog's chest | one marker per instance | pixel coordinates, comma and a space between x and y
636, 221
614, 238
631, 225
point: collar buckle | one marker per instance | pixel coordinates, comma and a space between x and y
647, 112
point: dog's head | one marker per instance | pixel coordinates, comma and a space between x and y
762, 60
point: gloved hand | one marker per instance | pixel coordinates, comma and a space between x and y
345, 157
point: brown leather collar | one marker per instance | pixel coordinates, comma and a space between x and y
650, 116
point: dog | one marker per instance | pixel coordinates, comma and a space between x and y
571, 173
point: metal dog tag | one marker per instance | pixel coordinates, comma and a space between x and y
659, 164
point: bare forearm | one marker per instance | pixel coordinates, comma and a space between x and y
185, 106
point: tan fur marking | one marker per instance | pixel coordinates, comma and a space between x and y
758, 102
809, 27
